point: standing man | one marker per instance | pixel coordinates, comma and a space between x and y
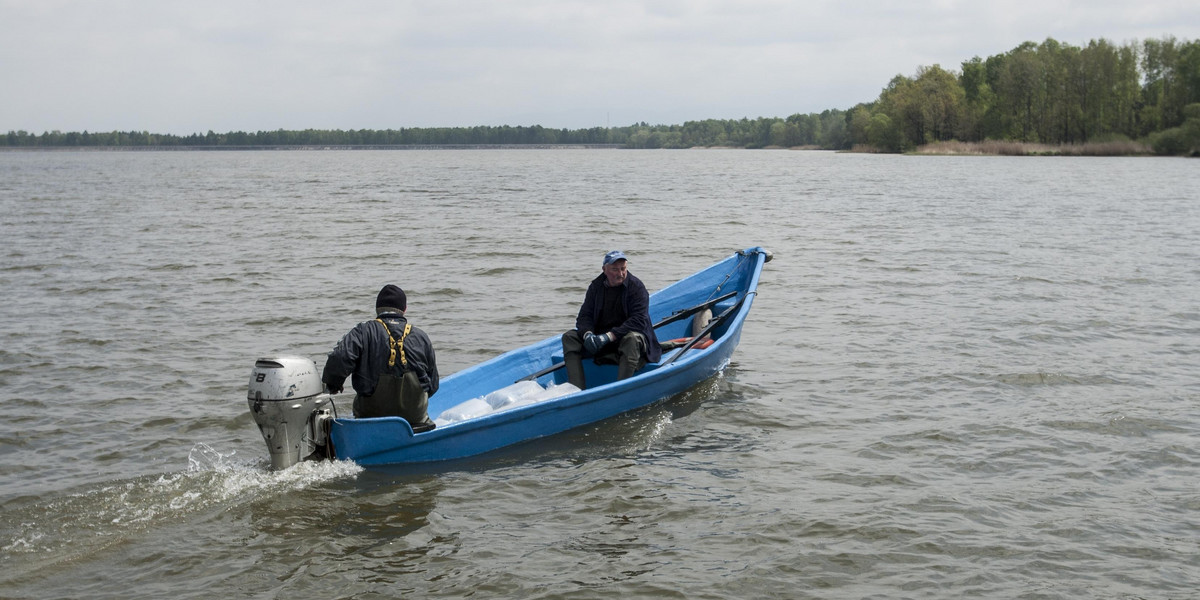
613, 324
393, 365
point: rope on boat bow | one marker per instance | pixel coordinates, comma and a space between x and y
744, 255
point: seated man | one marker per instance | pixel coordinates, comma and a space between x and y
392, 363
613, 323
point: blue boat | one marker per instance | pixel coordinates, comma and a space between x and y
724, 290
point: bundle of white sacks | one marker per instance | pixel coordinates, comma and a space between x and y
519, 394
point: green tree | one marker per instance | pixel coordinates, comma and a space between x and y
1017, 87
978, 100
858, 123
926, 109
884, 134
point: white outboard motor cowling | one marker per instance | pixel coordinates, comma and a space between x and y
292, 409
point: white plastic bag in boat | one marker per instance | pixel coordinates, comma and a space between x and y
475, 407
517, 394
555, 390
540, 395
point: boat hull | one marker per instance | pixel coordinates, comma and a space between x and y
390, 440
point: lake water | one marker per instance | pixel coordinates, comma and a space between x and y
962, 377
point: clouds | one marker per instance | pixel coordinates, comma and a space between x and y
177, 67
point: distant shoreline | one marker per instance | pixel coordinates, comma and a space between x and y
1011, 148
308, 147
985, 148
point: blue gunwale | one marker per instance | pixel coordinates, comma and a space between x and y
390, 440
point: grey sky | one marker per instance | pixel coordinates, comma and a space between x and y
179, 67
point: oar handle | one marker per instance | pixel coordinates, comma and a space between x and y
550, 369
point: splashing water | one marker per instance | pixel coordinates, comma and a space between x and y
76, 525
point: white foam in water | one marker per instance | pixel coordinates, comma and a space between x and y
522, 393
234, 478
225, 478
110, 510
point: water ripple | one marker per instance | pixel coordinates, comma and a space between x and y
961, 378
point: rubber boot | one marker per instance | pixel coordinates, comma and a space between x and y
573, 357
632, 355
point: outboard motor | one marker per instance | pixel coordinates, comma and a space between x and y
292, 409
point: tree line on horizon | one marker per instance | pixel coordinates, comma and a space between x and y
1047, 93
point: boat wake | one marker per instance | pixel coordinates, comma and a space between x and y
238, 478
37, 534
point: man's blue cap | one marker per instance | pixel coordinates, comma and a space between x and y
613, 257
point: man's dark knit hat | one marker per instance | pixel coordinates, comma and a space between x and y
392, 297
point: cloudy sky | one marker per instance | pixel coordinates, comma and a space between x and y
184, 67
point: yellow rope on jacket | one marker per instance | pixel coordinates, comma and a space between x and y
392, 344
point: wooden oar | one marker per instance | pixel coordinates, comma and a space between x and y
682, 313
687, 312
